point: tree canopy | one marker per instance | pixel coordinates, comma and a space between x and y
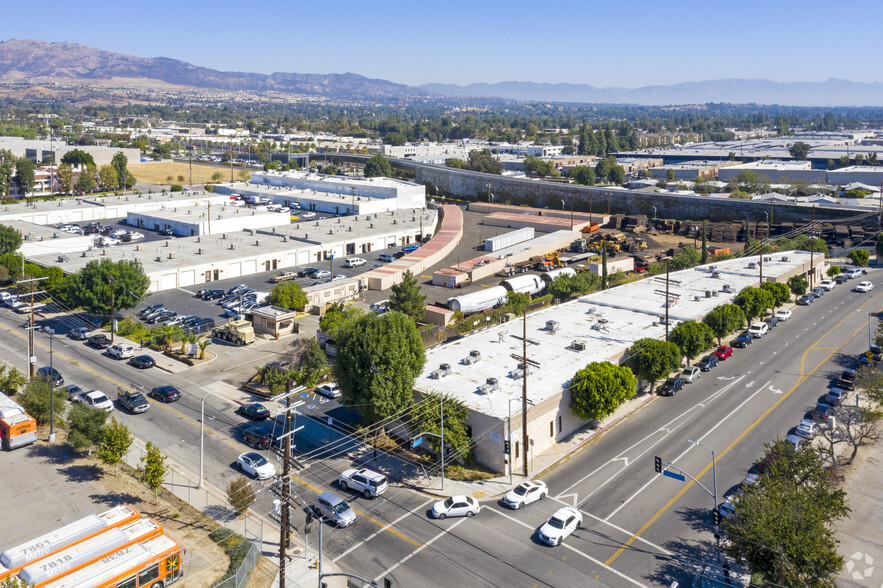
483, 161
859, 257
797, 285
686, 258
779, 291
337, 316
599, 388
692, 338
651, 359
10, 239
116, 443
91, 287
753, 301
86, 426
378, 166
583, 174
724, 319
288, 295
77, 157
406, 297
24, 172
799, 150
379, 357
35, 400
427, 419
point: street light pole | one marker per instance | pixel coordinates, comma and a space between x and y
52, 388
713, 472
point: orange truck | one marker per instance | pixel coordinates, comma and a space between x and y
17, 428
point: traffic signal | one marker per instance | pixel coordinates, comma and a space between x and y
716, 517
658, 464
506, 447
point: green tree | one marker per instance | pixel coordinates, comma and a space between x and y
10, 239
397, 139
406, 297
670, 174
77, 157
779, 291
561, 287
107, 177
583, 174
115, 445
832, 271
799, 150
692, 338
86, 182
153, 469
288, 295
859, 257
13, 582
783, 526
337, 316
602, 169
753, 301
119, 163
378, 166
11, 380
426, 418
203, 342
379, 357
85, 427
686, 258
24, 171
797, 285
103, 283
616, 174
34, 398
240, 494
540, 167
651, 359
599, 389
724, 319
65, 178
310, 365
879, 247
483, 161
516, 302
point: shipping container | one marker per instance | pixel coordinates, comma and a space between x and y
508, 239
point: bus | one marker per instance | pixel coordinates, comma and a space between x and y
14, 559
67, 561
153, 564
17, 427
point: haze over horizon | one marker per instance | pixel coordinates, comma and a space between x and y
463, 43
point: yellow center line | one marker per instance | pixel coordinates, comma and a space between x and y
760, 419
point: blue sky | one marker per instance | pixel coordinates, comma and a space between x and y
628, 44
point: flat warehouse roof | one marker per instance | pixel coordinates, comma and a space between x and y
607, 323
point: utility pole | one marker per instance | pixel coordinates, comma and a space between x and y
190, 155
285, 515
761, 266
812, 248
669, 297
112, 309
31, 357
525, 364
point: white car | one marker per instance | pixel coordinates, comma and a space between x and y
783, 315
354, 262
368, 482
806, 429
525, 493
827, 285
758, 330
560, 525
98, 399
864, 287
134, 236
107, 242
329, 390
256, 465
455, 506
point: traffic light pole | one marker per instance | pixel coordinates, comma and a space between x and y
663, 468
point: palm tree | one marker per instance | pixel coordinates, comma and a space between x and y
203, 343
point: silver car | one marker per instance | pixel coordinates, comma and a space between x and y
335, 508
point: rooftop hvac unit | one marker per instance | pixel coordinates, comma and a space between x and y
63, 258
473, 357
518, 373
786, 259
714, 293
159, 258
768, 258
727, 289
711, 268
578, 345
442, 371
552, 326
697, 298
171, 255
716, 275
708, 293
232, 245
257, 243
752, 265
489, 386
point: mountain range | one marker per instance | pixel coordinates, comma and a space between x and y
36, 62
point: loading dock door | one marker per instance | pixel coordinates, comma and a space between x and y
168, 281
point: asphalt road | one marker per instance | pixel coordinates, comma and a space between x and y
639, 528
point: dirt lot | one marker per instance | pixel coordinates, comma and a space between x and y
159, 173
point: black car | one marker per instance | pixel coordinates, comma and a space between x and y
258, 437
847, 379
671, 387
841, 278
743, 340
167, 232
307, 272
254, 411
51, 375
162, 317
166, 393
201, 293
142, 362
771, 321
708, 362
806, 300
99, 341
399, 254
818, 292
213, 294
150, 308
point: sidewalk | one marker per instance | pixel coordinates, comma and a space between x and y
861, 535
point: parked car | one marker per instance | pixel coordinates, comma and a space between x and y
411, 248
828, 285
821, 412
690, 374
806, 300
386, 257
743, 340
258, 437
864, 287
354, 262
73, 391
795, 440
806, 429
329, 390
99, 341
142, 362
370, 483
671, 387
560, 525
723, 352
771, 322
525, 493
847, 379
256, 465
708, 362
235, 289
758, 330
79, 333
818, 292
841, 278
254, 411
853, 273
835, 396
166, 393
121, 351
150, 308
321, 274
456, 506
335, 509
783, 315
167, 232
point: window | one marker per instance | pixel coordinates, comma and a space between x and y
148, 575
559, 424
551, 428
127, 583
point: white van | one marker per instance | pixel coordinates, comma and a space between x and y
354, 262
853, 273
121, 351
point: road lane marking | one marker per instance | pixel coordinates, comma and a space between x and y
803, 377
382, 529
567, 546
421, 548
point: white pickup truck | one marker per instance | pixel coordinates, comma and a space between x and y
94, 399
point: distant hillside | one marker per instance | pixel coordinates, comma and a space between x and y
38, 61
832, 92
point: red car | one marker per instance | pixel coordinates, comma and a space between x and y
723, 352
